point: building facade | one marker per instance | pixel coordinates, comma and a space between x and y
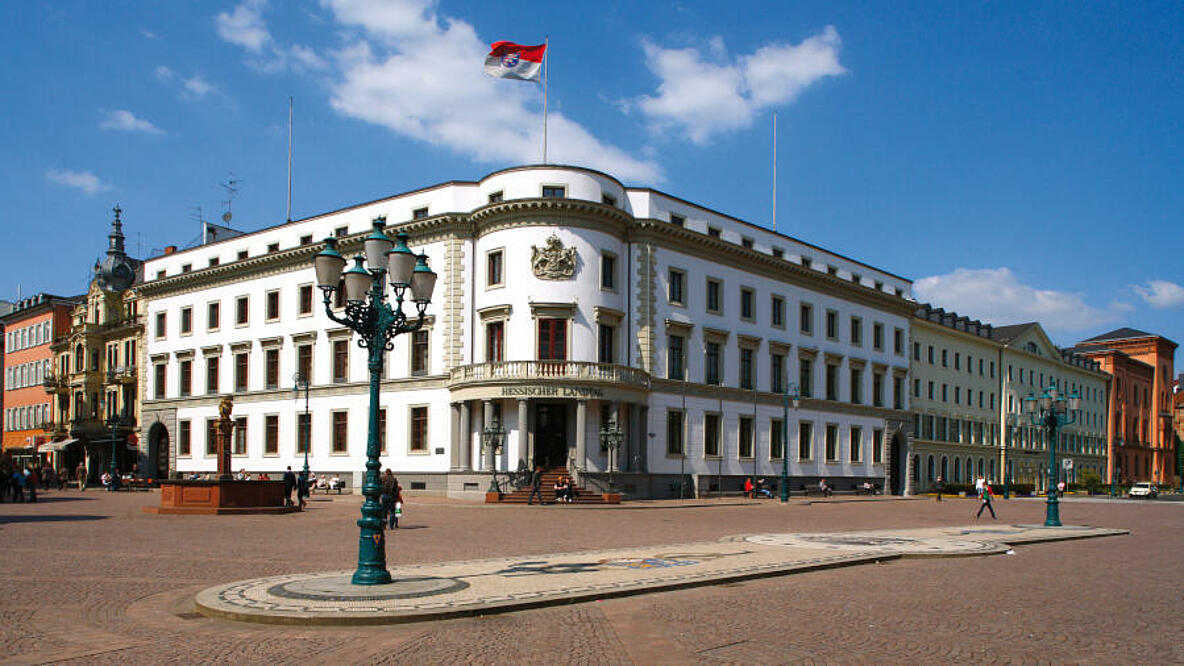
28, 411
565, 302
1148, 451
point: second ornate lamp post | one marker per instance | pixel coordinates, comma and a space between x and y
301, 384
791, 393
1052, 410
491, 440
610, 438
376, 322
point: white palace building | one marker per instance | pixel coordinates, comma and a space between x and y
565, 300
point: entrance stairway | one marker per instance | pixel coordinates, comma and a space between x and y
550, 476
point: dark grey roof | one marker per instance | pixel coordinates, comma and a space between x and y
1006, 334
1120, 334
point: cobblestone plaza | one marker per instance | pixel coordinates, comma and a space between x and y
88, 576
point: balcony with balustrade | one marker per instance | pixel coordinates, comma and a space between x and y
55, 384
548, 379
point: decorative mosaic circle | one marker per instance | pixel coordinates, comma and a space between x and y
339, 588
876, 542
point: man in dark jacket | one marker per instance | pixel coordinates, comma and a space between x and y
289, 485
536, 486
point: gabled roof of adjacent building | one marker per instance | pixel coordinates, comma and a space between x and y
1121, 334
1006, 334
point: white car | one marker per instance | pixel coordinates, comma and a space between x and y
1142, 489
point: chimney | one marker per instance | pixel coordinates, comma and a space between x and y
170, 249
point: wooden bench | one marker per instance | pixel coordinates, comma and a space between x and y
137, 484
860, 490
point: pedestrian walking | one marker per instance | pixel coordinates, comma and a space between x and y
80, 476
985, 498
387, 498
301, 489
938, 485
18, 486
289, 485
536, 486
32, 479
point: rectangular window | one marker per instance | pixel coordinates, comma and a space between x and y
676, 288
606, 343
496, 197
776, 439
381, 431
714, 287
711, 435
806, 318
714, 232
552, 340
675, 354
340, 432
495, 341
857, 331
186, 320
242, 366
304, 306
777, 311
746, 242
493, 269
930, 354
340, 361
777, 373
877, 446
185, 385
213, 315
304, 362
856, 386
945, 358
898, 342
608, 272
747, 305
211, 437
161, 370
832, 325
419, 429
419, 213
746, 369
240, 436
554, 192
832, 382
303, 431
806, 377
271, 368
878, 336
184, 438
877, 389
271, 434
674, 430
678, 220
241, 310
856, 444
419, 352
273, 305
805, 440
832, 442
957, 361
711, 363
212, 374
744, 435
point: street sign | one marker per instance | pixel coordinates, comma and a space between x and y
1067, 463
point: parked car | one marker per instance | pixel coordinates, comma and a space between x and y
1143, 489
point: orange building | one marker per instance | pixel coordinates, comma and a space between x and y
28, 331
1142, 437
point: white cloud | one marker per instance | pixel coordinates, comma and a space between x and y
997, 296
148, 34
82, 180
127, 121
706, 95
420, 75
1161, 294
163, 73
244, 26
198, 86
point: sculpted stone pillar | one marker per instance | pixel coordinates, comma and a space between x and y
581, 435
523, 417
466, 439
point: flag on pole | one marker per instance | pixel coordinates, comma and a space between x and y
507, 60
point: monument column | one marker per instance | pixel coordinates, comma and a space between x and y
225, 427
523, 452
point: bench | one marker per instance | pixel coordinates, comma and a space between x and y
813, 489
860, 490
137, 484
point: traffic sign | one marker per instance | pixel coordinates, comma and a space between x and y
1067, 463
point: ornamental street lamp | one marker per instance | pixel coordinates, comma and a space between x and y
301, 384
491, 440
791, 393
376, 322
1052, 410
610, 439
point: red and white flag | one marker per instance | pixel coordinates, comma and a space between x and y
507, 60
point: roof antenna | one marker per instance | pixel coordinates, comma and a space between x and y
231, 187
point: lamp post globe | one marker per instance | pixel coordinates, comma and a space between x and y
376, 321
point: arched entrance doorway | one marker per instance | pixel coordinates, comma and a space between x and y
158, 450
897, 464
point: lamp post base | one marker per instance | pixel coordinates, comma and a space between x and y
1052, 510
371, 557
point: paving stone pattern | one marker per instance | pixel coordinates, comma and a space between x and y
87, 577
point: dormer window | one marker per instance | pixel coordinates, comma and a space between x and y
496, 197
714, 232
608, 200
554, 192
678, 220
419, 213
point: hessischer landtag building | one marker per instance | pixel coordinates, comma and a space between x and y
566, 303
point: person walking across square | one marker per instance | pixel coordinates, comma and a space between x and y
985, 497
536, 486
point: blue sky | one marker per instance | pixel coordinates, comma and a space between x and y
1019, 161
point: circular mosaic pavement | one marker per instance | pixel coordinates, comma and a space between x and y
878, 542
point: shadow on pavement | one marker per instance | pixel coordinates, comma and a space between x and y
47, 519
53, 498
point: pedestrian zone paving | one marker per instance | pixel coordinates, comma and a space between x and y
434, 591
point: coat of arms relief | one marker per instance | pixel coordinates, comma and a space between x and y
553, 261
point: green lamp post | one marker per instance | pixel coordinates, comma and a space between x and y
301, 384
1052, 410
492, 438
610, 439
791, 393
376, 322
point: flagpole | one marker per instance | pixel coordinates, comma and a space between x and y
774, 171
546, 45
289, 158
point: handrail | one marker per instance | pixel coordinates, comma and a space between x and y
581, 371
